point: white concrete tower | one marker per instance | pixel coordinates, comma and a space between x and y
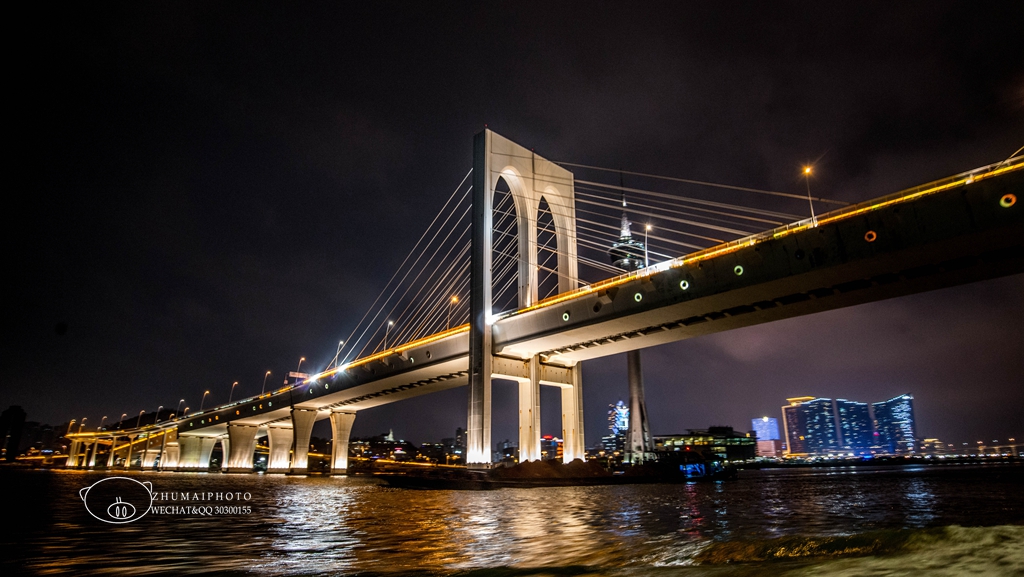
530, 178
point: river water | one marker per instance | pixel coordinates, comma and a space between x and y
906, 520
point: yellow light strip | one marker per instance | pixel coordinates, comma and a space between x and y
397, 350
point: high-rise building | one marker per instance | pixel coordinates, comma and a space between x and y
894, 421
855, 429
821, 434
820, 426
767, 428
618, 426
794, 423
811, 426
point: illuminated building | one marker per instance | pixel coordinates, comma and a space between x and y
894, 421
767, 431
855, 428
551, 448
618, 425
767, 428
811, 426
716, 443
934, 447
794, 424
821, 427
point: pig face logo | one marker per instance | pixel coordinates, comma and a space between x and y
118, 500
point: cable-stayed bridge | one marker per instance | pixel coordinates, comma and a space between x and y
512, 280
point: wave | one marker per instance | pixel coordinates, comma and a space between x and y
952, 550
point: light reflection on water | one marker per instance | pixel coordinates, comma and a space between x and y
353, 525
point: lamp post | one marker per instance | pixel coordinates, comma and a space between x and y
138, 421
203, 401
121, 420
807, 179
386, 329
101, 422
233, 385
157, 419
178, 410
185, 413
452, 301
264, 389
82, 424
337, 355
647, 261
300, 364
71, 423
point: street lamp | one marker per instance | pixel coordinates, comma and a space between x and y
203, 401
185, 413
807, 180
138, 422
233, 385
264, 389
82, 424
180, 403
453, 301
71, 423
157, 419
121, 420
388, 328
337, 355
647, 261
101, 422
300, 364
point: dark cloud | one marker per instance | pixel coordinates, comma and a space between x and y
205, 194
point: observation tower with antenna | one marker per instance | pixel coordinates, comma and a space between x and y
629, 255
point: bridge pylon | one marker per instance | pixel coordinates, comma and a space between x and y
530, 179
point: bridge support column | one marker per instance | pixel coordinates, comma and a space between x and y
225, 451
302, 428
113, 451
205, 452
195, 453
72, 461
91, 454
529, 414
242, 445
639, 430
171, 455
149, 457
341, 426
572, 419
131, 449
280, 440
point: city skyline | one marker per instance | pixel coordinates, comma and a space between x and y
195, 225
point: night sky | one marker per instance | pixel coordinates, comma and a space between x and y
203, 194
